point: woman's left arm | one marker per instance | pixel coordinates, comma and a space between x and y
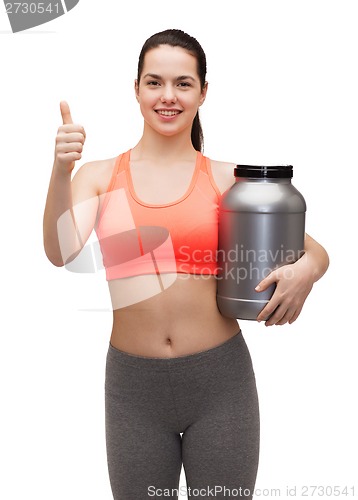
293, 284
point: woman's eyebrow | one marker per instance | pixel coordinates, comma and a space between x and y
158, 77
152, 75
185, 77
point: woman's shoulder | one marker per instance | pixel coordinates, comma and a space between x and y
98, 173
223, 173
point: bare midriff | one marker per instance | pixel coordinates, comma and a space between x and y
181, 319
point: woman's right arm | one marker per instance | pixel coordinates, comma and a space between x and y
71, 205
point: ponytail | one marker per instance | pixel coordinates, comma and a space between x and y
197, 136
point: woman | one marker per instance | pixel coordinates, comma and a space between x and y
180, 387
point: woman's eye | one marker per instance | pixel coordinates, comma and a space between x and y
184, 84
154, 83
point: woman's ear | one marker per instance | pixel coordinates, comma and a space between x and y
136, 89
203, 93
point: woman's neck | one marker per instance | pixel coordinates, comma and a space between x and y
157, 146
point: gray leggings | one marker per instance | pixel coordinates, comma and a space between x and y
200, 411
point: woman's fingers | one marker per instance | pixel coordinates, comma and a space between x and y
65, 113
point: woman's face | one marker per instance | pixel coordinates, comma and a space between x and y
169, 91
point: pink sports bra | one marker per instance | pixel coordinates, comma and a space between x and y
140, 238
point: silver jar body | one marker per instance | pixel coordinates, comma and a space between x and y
261, 228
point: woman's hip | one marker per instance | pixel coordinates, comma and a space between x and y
177, 391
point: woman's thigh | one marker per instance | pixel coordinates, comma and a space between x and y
143, 447
142, 461
220, 448
221, 451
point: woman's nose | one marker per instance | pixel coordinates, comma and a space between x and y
168, 95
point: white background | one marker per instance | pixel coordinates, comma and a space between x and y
282, 88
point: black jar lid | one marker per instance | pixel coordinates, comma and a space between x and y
264, 171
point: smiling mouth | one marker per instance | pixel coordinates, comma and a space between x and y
167, 113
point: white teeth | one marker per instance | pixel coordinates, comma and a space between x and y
168, 113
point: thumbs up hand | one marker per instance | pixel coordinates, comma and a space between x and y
69, 141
